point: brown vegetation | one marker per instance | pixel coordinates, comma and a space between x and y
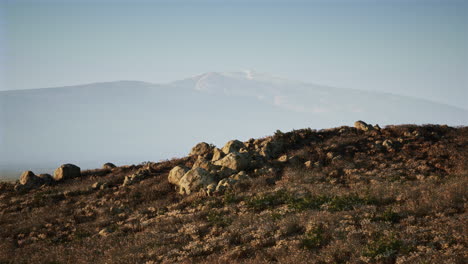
395, 195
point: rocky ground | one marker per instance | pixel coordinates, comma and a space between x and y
344, 195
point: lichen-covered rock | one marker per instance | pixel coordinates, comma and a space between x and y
361, 125
235, 161
194, 180
67, 171
202, 149
176, 174
232, 146
29, 180
108, 166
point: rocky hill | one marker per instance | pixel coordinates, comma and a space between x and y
361, 194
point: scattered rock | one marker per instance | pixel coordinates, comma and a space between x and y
108, 166
67, 171
308, 164
194, 180
283, 158
176, 174
136, 177
105, 231
233, 146
99, 186
388, 144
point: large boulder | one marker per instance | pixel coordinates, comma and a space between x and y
361, 125
29, 180
46, 178
217, 154
203, 163
67, 171
235, 161
233, 146
271, 148
201, 149
194, 180
176, 174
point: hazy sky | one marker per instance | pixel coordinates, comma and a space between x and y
409, 47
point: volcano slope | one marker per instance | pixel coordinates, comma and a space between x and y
343, 195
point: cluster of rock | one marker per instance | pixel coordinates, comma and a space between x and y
217, 170
29, 180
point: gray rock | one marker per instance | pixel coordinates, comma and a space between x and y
235, 161
361, 125
138, 176
202, 149
217, 154
194, 180
271, 148
67, 171
176, 174
232, 146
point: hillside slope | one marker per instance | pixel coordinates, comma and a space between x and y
90, 124
357, 195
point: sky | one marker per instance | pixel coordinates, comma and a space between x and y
410, 47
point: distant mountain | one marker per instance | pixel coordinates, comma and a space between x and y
130, 121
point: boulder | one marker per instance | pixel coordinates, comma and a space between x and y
46, 178
235, 161
202, 149
194, 180
232, 146
217, 154
176, 174
271, 148
108, 166
29, 180
203, 163
67, 171
228, 183
363, 126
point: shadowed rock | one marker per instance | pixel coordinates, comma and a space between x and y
67, 171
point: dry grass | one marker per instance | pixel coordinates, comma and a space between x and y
361, 203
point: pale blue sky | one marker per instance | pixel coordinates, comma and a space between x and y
409, 47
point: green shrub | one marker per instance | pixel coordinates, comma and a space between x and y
314, 238
217, 219
385, 247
